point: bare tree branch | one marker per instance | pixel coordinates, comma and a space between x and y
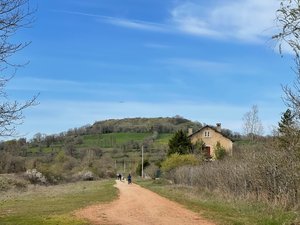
252, 125
14, 15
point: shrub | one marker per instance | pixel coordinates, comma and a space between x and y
152, 171
9, 183
11, 164
262, 174
220, 151
35, 177
84, 175
101, 168
87, 175
177, 160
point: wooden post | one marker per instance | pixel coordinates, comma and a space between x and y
124, 166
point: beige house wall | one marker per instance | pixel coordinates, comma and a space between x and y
210, 137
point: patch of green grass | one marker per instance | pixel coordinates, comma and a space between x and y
163, 139
112, 139
223, 212
54, 204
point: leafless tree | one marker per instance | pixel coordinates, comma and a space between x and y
14, 15
288, 21
252, 125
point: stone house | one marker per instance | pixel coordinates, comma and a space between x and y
211, 136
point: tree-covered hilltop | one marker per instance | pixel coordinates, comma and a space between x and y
138, 125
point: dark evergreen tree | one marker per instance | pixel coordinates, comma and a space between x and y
180, 143
289, 135
287, 121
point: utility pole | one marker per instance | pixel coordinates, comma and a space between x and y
124, 167
142, 161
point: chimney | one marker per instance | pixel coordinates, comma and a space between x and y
190, 131
219, 127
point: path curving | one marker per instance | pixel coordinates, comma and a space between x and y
139, 206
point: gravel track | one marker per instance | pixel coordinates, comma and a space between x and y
139, 206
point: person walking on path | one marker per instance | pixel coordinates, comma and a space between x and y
129, 179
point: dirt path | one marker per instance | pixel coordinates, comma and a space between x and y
139, 206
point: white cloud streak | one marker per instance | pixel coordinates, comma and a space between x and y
245, 20
195, 63
61, 85
121, 22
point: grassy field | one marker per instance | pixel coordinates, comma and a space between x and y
118, 139
163, 139
112, 139
109, 141
53, 205
223, 212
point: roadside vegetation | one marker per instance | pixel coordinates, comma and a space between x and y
258, 184
223, 210
53, 204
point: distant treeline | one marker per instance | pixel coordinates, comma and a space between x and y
158, 125
144, 125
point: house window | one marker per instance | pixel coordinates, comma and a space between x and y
206, 134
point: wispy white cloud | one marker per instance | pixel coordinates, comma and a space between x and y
69, 89
38, 84
195, 64
246, 20
137, 24
62, 85
122, 22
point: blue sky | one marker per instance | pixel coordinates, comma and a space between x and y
208, 61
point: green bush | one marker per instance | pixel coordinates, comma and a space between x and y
10, 183
220, 151
176, 160
152, 171
54, 173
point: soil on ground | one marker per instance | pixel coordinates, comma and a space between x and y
139, 206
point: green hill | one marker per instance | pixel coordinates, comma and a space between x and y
104, 148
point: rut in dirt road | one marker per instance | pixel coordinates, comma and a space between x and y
139, 206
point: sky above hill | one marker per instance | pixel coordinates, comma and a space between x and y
208, 61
